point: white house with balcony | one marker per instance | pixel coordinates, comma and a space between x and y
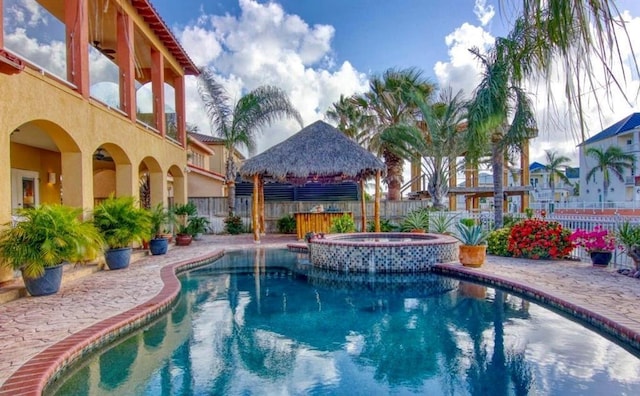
626, 135
541, 193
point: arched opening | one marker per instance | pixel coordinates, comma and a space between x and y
46, 166
112, 173
152, 183
178, 187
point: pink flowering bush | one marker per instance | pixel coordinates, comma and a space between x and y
598, 240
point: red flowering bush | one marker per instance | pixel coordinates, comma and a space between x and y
539, 239
598, 240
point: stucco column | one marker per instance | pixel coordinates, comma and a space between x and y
77, 38
6, 274
126, 65
77, 179
158, 182
178, 85
157, 86
179, 189
126, 183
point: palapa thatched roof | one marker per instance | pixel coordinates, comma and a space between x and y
318, 152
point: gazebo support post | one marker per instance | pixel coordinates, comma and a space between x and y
376, 205
254, 209
363, 207
263, 230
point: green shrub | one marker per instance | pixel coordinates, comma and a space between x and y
343, 224
386, 225
509, 220
441, 222
286, 224
468, 222
233, 225
499, 241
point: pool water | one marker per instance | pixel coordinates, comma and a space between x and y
265, 323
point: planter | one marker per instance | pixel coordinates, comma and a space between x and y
183, 239
473, 255
158, 246
49, 283
118, 258
601, 259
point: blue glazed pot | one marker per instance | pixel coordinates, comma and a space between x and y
49, 283
118, 258
601, 258
158, 246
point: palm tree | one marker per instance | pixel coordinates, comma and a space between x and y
612, 160
351, 120
556, 166
499, 97
436, 141
239, 124
389, 104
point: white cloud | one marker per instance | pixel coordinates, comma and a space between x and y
484, 13
265, 45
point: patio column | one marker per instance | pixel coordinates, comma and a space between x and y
363, 207
77, 39
178, 85
157, 86
126, 66
254, 209
376, 205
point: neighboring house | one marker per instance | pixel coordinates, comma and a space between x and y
624, 134
86, 115
202, 181
217, 161
539, 180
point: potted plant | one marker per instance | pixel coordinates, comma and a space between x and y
121, 222
416, 221
183, 212
473, 250
198, 226
442, 222
629, 237
160, 217
599, 243
45, 238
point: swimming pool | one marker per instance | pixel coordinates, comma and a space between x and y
281, 327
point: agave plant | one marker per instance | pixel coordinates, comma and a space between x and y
471, 235
441, 222
416, 220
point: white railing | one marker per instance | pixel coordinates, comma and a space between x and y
597, 206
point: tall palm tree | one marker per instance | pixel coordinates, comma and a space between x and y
238, 124
556, 166
498, 98
586, 37
389, 103
437, 140
351, 119
612, 160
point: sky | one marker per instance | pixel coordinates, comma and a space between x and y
317, 50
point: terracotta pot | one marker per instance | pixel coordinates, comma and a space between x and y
183, 239
418, 231
473, 256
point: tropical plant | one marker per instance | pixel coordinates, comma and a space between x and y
629, 237
471, 235
46, 236
197, 225
441, 222
500, 115
539, 239
122, 222
233, 225
498, 242
343, 224
386, 225
183, 212
390, 106
161, 218
238, 124
556, 167
416, 220
351, 119
612, 160
596, 240
286, 224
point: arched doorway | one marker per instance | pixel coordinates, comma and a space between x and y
112, 173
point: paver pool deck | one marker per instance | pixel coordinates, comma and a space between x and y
38, 335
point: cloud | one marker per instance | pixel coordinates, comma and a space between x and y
265, 45
484, 13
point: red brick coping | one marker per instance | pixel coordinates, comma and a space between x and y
613, 329
44, 368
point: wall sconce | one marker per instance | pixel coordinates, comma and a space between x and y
51, 176
612, 189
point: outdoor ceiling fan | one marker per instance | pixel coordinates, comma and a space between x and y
108, 52
102, 155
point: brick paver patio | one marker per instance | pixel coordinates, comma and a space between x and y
29, 326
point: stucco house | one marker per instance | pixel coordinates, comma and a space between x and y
103, 110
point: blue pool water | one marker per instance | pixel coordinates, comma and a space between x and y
264, 323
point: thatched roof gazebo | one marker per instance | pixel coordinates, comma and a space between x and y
317, 153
